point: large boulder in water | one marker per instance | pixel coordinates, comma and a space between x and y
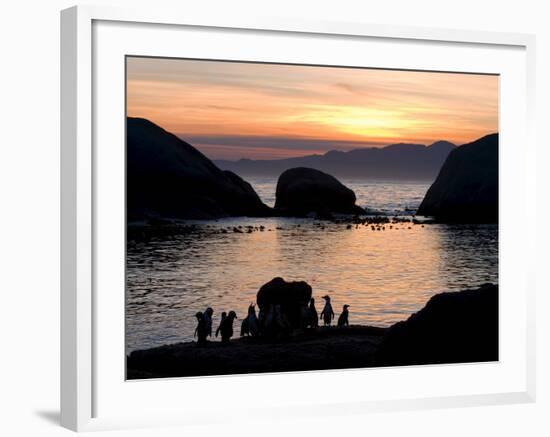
456, 327
466, 189
167, 177
283, 306
302, 191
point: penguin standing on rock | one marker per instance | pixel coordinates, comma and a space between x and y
224, 315
343, 320
208, 321
313, 317
227, 327
200, 330
250, 325
327, 314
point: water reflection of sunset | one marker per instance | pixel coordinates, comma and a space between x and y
384, 275
285, 110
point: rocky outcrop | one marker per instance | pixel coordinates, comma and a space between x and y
283, 307
455, 327
169, 178
303, 191
466, 189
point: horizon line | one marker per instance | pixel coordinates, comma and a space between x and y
206, 141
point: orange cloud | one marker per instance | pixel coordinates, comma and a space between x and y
346, 106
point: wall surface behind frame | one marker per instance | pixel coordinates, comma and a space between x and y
29, 218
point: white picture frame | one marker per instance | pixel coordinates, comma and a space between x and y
84, 370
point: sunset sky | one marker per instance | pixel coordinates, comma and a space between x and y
232, 110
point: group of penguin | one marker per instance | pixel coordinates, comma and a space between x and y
251, 325
204, 325
327, 315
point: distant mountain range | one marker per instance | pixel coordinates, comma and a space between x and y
394, 162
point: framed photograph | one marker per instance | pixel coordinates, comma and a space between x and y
328, 215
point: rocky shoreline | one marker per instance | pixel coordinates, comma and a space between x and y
453, 327
320, 349
145, 230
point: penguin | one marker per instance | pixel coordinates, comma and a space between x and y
253, 323
267, 319
343, 320
244, 327
208, 321
224, 315
227, 326
199, 318
327, 314
250, 325
313, 317
280, 318
200, 330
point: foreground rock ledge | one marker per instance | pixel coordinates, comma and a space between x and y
452, 327
312, 350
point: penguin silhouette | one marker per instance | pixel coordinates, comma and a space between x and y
343, 320
200, 330
227, 327
208, 321
253, 322
313, 317
327, 314
250, 325
244, 327
224, 315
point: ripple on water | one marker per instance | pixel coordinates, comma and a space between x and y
384, 276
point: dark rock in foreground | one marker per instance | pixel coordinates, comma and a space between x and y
283, 307
302, 191
169, 178
320, 349
455, 327
466, 189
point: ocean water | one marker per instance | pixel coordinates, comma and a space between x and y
384, 275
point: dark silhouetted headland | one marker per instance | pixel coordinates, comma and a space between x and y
169, 178
466, 189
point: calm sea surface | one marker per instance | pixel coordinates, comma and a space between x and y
384, 275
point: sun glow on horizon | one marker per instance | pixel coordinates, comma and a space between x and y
232, 110
359, 122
